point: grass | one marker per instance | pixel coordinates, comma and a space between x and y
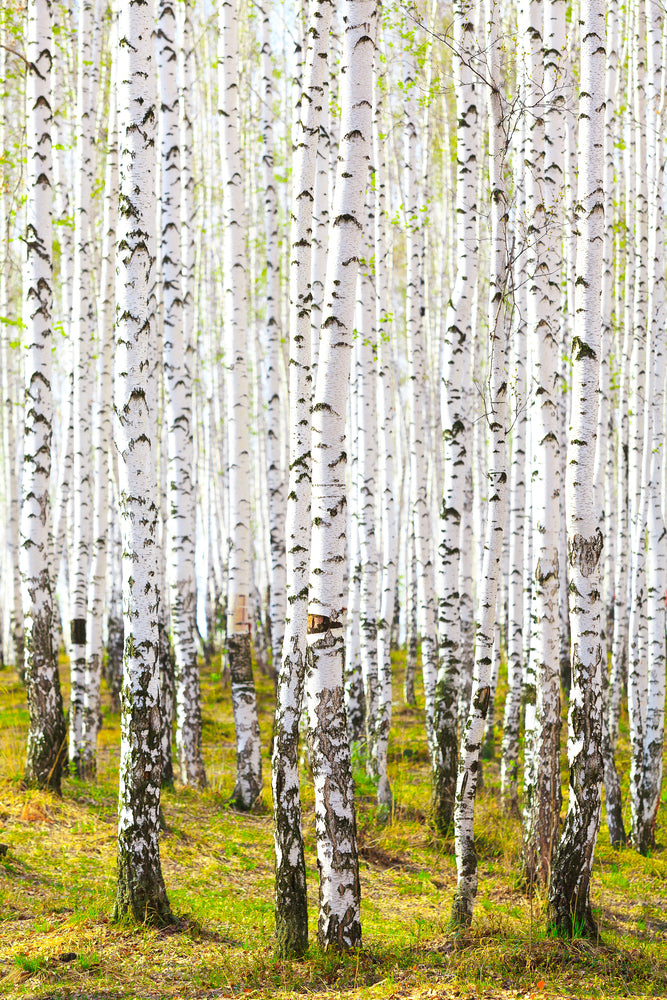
57, 887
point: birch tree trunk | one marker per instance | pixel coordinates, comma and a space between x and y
290, 885
178, 348
101, 442
466, 786
365, 350
83, 331
646, 768
386, 414
612, 784
340, 917
47, 734
275, 484
420, 507
140, 893
569, 908
248, 749
542, 796
456, 435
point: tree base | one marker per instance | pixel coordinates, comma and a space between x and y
292, 928
563, 923
149, 914
140, 908
339, 934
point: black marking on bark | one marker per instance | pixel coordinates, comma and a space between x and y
584, 553
78, 631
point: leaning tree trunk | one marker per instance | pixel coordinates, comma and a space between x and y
569, 908
47, 734
140, 892
335, 822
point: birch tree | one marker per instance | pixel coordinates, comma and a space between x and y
248, 750
647, 738
569, 908
275, 484
456, 431
140, 892
339, 917
178, 348
291, 902
47, 735
471, 744
83, 332
544, 183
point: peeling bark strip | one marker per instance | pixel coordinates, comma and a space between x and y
248, 750
47, 735
569, 909
141, 893
340, 917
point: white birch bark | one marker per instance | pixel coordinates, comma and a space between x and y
496, 415
83, 333
365, 350
140, 893
420, 506
275, 484
290, 886
569, 910
542, 797
173, 55
248, 753
605, 453
646, 765
47, 734
101, 443
340, 918
509, 761
638, 413
387, 466
455, 426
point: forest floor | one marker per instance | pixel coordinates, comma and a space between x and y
57, 877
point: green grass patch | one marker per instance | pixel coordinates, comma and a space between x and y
57, 886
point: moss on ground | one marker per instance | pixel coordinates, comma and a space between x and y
57, 888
